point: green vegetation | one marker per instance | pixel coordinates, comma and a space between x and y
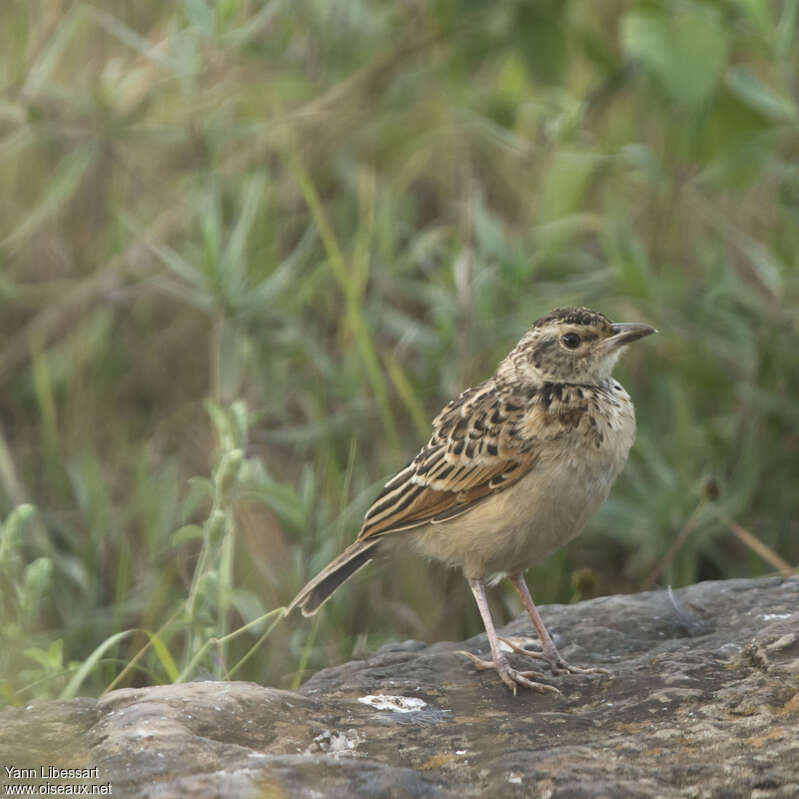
249, 247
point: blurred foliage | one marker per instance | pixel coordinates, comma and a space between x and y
265, 240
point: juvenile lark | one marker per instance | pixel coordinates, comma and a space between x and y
514, 469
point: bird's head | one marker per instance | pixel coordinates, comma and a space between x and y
572, 345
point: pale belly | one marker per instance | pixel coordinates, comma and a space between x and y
517, 528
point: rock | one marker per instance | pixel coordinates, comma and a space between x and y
704, 702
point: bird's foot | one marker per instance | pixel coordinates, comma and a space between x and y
557, 665
512, 678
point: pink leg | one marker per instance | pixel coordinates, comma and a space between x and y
550, 653
508, 675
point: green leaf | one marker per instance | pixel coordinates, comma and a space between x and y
748, 88
71, 690
786, 29
171, 259
211, 226
162, 652
685, 51
51, 658
758, 14
239, 423
201, 489
221, 421
565, 183
189, 532
60, 190
12, 529
235, 251
57, 43
200, 15
37, 579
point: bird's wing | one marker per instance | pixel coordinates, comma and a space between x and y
482, 442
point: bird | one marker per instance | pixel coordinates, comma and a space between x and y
514, 469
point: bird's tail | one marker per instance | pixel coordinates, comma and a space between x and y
321, 588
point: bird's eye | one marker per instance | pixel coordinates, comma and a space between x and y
571, 340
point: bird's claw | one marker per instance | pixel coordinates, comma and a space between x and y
560, 666
556, 663
510, 676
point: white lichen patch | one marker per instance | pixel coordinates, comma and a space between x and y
333, 742
397, 704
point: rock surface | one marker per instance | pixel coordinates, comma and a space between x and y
704, 702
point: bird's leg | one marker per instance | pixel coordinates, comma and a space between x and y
550, 652
508, 675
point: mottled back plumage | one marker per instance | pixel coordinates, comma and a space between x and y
483, 441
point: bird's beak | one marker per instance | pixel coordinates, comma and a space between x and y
625, 333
